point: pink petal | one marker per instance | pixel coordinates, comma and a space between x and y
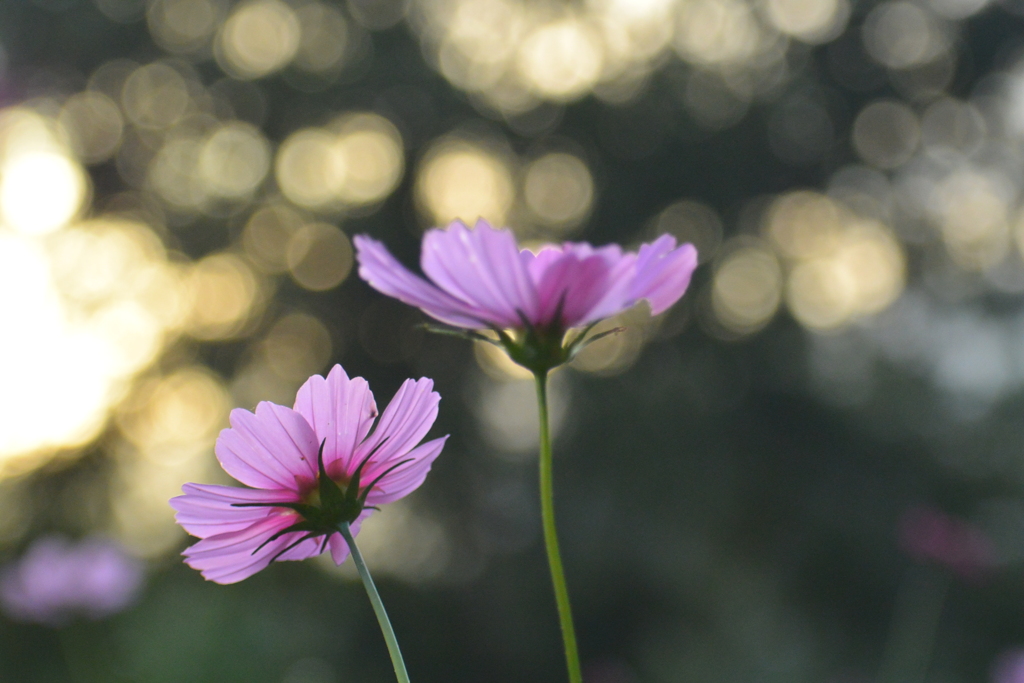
339, 549
537, 264
273, 449
405, 421
409, 477
385, 274
340, 410
231, 557
483, 268
303, 551
337, 544
615, 298
663, 272
573, 283
207, 509
595, 282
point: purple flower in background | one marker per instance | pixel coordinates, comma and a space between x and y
56, 579
929, 535
609, 671
480, 279
308, 469
1009, 667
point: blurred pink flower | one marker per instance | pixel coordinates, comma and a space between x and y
1009, 667
929, 535
306, 467
608, 671
56, 579
481, 279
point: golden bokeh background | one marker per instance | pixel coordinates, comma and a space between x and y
112, 297
178, 202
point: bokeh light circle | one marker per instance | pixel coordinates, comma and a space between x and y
812, 21
297, 346
40, 191
561, 60
258, 38
310, 168
903, 34
747, 288
319, 256
886, 133
373, 158
184, 26
233, 160
558, 189
324, 38
155, 96
224, 293
93, 125
460, 179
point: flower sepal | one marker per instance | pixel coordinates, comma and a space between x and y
582, 341
327, 507
538, 349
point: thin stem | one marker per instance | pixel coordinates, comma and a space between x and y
547, 508
378, 607
915, 623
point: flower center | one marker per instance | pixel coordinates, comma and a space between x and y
328, 505
539, 349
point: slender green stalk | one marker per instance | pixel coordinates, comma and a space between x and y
378, 607
915, 623
547, 508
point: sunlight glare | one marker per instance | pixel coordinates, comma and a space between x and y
40, 191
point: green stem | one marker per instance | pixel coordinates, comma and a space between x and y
378, 607
547, 508
915, 623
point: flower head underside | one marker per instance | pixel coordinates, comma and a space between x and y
310, 469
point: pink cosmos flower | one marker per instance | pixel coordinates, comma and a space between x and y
481, 279
306, 467
57, 578
1009, 667
930, 535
